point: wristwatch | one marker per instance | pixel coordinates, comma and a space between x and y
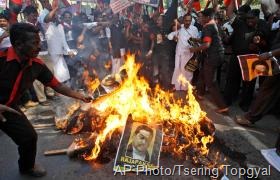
270, 54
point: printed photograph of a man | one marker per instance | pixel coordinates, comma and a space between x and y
252, 67
260, 68
140, 144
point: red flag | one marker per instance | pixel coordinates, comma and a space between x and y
14, 7
160, 7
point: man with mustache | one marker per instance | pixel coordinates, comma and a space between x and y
19, 67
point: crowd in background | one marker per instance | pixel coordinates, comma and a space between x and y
77, 44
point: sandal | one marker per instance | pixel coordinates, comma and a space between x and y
241, 120
224, 111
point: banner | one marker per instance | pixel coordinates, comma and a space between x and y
3, 4
252, 67
153, 3
118, 5
139, 147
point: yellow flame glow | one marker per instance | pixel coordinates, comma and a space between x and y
135, 97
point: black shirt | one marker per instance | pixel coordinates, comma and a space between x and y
242, 35
210, 34
117, 39
16, 78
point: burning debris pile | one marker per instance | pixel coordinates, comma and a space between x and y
187, 130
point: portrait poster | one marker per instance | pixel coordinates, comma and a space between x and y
139, 147
252, 67
3, 4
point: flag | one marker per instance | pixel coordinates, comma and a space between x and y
3, 4
14, 8
195, 4
119, 5
160, 7
153, 3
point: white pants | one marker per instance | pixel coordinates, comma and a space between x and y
40, 90
180, 62
60, 67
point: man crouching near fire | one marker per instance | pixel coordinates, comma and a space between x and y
19, 67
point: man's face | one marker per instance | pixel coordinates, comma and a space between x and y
199, 18
160, 21
187, 21
205, 19
260, 70
252, 21
3, 23
142, 140
32, 18
67, 18
30, 48
145, 28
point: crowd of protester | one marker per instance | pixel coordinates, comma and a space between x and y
73, 44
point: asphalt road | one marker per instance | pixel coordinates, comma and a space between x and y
234, 138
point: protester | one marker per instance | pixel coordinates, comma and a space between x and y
19, 67
4, 31
161, 53
212, 45
31, 16
267, 98
183, 54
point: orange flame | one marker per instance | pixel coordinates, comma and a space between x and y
135, 97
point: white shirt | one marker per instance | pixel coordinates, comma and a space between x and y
183, 37
275, 25
137, 155
41, 18
56, 39
6, 41
271, 5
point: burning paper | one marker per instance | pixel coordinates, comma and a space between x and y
187, 130
139, 147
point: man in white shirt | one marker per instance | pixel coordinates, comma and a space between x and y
4, 32
55, 36
183, 54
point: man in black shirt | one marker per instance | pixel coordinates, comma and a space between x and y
162, 56
212, 46
242, 42
19, 67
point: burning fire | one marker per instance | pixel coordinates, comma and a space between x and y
181, 119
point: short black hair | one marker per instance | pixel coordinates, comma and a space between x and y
4, 15
244, 9
19, 31
187, 15
260, 62
66, 12
144, 127
29, 10
209, 12
253, 13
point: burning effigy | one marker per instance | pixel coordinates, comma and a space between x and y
187, 132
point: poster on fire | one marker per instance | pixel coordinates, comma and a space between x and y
139, 147
252, 67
